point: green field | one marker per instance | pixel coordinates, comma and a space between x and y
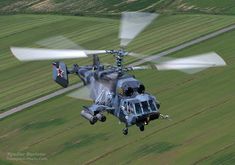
211, 6
114, 7
201, 131
33, 79
201, 106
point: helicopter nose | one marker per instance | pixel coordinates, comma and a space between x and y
130, 120
145, 118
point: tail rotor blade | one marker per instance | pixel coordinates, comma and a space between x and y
132, 23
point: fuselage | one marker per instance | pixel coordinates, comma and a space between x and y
123, 95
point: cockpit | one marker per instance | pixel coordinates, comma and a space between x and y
135, 100
137, 107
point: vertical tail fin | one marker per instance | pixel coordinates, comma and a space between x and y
60, 74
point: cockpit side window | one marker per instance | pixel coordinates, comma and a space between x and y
138, 108
131, 109
128, 107
152, 106
125, 104
145, 106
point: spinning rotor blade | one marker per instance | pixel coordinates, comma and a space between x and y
82, 93
138, 67
97, 91
59, 42
32, 54
192, 64
188, 65
132, 23
137, 55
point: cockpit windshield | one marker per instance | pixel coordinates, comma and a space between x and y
128, 106
152, 106
140, 107
145, 106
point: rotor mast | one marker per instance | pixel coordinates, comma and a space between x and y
119, 54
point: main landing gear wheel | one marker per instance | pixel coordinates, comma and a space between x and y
125, 131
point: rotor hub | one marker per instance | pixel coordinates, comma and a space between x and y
120, 52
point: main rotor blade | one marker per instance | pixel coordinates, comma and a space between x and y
32, 54
144, 67
188, 65
193, 64
132, 23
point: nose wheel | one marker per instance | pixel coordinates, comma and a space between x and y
125, 131
141, 127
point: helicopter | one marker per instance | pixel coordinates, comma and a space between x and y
111, 88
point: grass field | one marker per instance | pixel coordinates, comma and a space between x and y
33, 79
201, 107
212, 6
114, 7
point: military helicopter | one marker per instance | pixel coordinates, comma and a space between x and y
111, 88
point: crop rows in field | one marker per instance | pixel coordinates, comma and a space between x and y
21, 82
201, 129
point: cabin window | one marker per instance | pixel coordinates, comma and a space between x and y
125, 104
138, 108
